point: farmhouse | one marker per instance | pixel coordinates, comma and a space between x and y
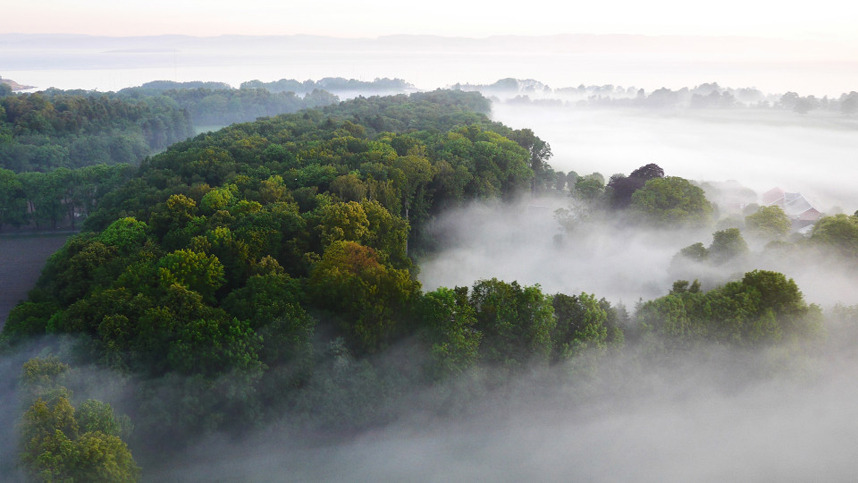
796, 207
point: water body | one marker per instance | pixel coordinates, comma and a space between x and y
109, 64
22, 257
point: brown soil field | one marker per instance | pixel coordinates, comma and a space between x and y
22, 257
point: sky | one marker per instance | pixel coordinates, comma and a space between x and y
831, 20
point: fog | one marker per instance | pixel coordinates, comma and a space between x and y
526, 242
813, 154
710, 415
113, 63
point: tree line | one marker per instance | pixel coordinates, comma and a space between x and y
704, 96
61, 198
214, 105
75, 132
53, 129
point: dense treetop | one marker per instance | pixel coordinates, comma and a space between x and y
75, 128
762, 308
213, 105
44, 131
320, 205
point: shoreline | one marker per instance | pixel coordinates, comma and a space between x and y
27, 233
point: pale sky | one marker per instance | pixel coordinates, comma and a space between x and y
820, 20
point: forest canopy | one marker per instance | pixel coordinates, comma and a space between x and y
268, 272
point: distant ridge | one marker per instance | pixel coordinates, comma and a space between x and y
14, 85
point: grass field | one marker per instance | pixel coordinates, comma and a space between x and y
22, 257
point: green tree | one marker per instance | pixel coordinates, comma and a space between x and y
218, 199
621, 187
93, 415
349, 187
60, 443
173, 214
214, 345
387, 233
838, 232
449, 183
449, 322
581, 324
769, 222
195, 271
727, 245
56, 448
516, 322
417, 172
763, 308
272, 305
29, 319
370, 298
343, 221
695, 252
13, 208
671, 201
82, 265
103, 457
540, 153
589, 188
45, 193
125, 234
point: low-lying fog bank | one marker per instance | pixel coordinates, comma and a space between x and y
623, 263
811, 153
708, 415
526, 243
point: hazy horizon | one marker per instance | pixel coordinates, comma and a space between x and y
820, 68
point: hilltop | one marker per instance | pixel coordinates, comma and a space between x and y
14, 85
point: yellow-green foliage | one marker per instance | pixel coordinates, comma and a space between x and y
61, 443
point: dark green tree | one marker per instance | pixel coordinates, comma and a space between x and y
672, 201
516, 322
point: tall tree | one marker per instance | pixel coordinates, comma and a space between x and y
516, 322
672, 201
768, 222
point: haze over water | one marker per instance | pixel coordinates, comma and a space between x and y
105, 63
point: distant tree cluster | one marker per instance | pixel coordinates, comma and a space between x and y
331, 84
217, 105
74, 131
58, 198
762, 308
835, 235
44, 131
703, 96
621, 188
646, 195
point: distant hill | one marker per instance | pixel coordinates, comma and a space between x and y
14, 85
